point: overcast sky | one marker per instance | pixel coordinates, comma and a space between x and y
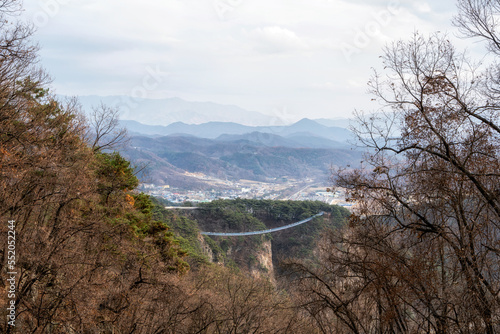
297, 58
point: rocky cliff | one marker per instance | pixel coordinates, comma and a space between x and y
257, 255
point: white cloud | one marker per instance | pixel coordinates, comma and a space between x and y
262, 54
356, 83
329, 86
422, 7
276, 39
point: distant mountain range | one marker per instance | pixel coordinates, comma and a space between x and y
295, 140
226, 150
304, 133
170, 156
171, 110
226, 142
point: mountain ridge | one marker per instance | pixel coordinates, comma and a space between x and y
173, 109
213, 130
234, 159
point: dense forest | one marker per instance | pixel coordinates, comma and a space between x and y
83, 252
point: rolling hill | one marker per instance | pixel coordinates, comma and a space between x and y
169, 157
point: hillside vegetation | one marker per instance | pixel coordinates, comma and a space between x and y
233, 159
243, 215
81, 250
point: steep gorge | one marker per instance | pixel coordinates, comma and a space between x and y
258, 255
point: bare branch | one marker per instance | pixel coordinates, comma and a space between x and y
105, 133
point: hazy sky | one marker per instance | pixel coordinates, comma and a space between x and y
295, 58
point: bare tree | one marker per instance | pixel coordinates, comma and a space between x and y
438, 178
105, 132
479, 18
421, 253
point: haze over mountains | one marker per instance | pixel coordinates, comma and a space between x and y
232, 151
179, 140
300, 130
171, 110
170, 157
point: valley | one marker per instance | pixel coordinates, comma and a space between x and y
290, 189
229, 160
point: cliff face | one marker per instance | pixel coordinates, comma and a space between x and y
257, 255
206, 249
263, 266
251, 255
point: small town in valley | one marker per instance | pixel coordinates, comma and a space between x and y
286, 189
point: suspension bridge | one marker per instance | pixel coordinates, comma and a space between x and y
234, 234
